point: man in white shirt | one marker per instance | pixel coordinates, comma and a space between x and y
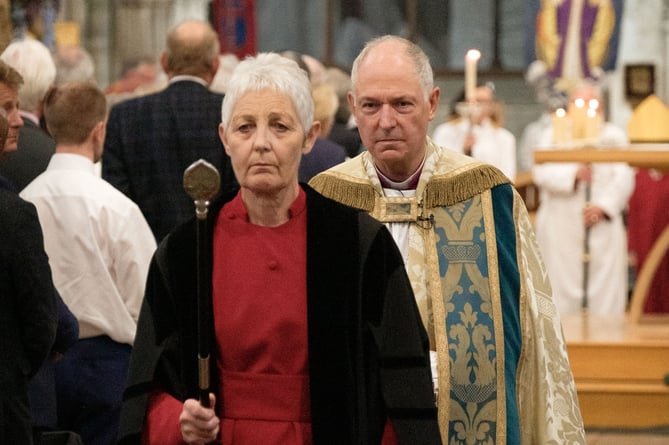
480, 134
99, 248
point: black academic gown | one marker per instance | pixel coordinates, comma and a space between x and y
368, 350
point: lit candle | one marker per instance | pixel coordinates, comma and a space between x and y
592, 122
472, 57
577, 113
561, 127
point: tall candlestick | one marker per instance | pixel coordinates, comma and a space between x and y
472, 57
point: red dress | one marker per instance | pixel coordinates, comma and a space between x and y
648, 217
260, 319
260, 307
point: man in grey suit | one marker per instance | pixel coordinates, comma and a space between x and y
152, 139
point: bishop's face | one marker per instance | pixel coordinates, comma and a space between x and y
392, 110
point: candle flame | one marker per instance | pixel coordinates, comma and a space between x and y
593, 104
579, 102
473, 54
560, 112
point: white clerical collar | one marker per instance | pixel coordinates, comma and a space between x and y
181, 77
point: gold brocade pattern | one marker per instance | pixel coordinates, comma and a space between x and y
470, 291
544, 366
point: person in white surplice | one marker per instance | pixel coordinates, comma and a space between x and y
563, 219
479, 134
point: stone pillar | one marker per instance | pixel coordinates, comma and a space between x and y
97, 38
663, 68
139, 29
95, 28
642, 40
114, 31
190, 9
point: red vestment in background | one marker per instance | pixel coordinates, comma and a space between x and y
648, 217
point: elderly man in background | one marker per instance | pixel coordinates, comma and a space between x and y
152, 139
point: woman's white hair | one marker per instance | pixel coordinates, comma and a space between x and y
274, 72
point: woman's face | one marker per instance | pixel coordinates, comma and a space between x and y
265, 141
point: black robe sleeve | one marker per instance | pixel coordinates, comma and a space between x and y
402, 344
368, 349
164, 353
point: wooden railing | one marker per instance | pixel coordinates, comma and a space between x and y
636, 156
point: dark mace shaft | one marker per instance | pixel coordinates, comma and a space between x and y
586, 255
201, 182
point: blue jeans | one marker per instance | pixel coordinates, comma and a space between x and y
90, 379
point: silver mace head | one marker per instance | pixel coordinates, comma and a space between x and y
201, 182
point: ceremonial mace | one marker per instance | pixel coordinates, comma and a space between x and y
201, 182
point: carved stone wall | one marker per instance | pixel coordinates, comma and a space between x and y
114, 31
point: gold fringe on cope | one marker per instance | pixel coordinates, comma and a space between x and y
354, 194
442, 190
448, 190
